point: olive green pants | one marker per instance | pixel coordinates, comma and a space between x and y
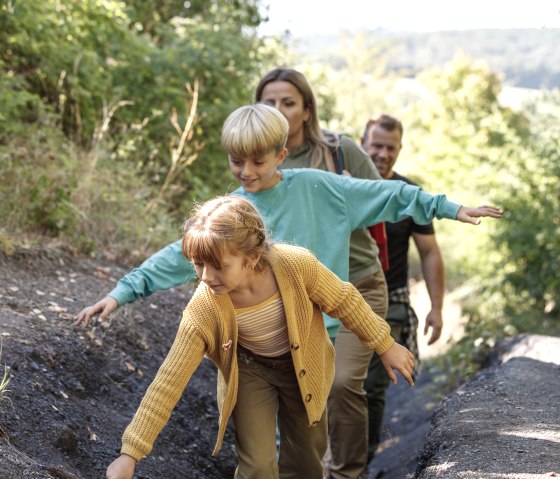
268, 392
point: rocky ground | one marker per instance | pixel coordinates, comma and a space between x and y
505, 423
73, 390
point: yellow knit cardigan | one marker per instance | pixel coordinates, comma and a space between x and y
208, 325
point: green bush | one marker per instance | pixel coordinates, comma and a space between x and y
89, 90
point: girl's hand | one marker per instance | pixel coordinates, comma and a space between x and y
471, 215
399, 358
121, 468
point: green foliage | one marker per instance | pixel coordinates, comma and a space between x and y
454, 139
130, 63
349, 95
147, 16
96, 97
529, 236
50, 189
60, 50
19, 106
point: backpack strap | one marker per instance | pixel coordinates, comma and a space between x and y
338, 159
335, 161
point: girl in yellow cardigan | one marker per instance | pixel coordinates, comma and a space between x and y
257, 314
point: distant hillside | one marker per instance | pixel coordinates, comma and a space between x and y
528, 58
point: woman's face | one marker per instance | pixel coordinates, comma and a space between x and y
286, 98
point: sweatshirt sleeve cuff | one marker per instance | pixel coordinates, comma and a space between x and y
449, 210
121, 294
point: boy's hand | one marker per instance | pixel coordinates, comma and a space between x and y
399, 358
471, 215
104, 308
121, 468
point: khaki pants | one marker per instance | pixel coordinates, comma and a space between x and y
268, 390
347, 404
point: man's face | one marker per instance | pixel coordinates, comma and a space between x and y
383, 147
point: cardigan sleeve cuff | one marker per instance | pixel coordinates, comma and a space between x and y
384, 345
132, 451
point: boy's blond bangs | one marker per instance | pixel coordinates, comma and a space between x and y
254, 131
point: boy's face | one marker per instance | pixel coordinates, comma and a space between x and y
257, 174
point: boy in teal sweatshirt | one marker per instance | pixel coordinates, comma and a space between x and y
306, 207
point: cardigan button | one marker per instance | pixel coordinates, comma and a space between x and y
295, 346
302, 373
308, 398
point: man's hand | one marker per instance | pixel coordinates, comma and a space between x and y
104, 308
399, 358
434, 320
471, 215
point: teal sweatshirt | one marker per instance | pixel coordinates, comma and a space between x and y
309, 208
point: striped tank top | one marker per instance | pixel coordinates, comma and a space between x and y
263, 329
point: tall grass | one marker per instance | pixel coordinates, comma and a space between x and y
49, 191
4, 382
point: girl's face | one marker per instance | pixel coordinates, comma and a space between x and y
286, 98
257, 174
231, 275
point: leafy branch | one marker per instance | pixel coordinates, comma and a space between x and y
186, 151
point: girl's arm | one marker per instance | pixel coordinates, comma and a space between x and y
164, 392
340, 299
121, 468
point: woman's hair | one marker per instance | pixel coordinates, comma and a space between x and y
386, 122
253, 131
313, 135
225, 223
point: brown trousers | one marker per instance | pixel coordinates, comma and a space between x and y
268, 391
347, 404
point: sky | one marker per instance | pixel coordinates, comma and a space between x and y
315, 17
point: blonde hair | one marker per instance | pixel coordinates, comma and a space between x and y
313, 135
225, 223
253, 131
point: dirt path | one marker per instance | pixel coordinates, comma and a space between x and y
408, 412
72, 391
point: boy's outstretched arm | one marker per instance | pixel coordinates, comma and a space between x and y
399, 358
472, 215
164, 270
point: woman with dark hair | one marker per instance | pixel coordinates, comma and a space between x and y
311, 147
